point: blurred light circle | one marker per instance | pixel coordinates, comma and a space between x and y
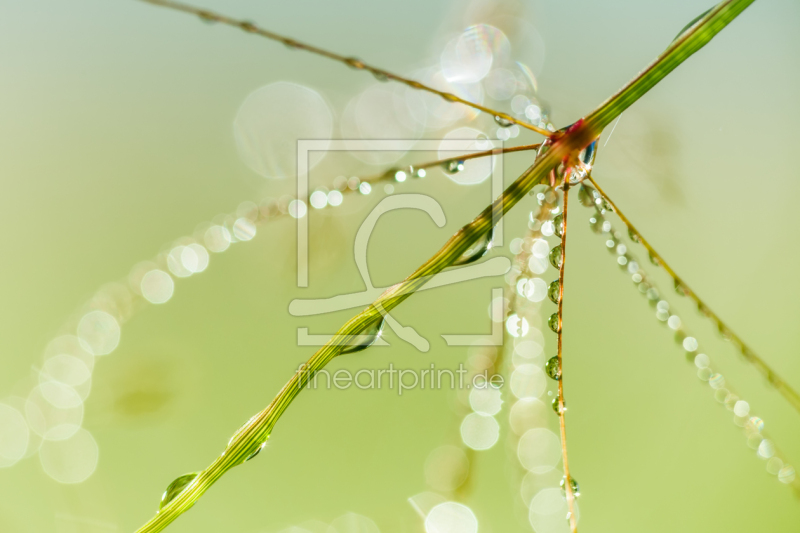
548, 512
446, 468
540, 248
175, 262
195, 258
451, 517
528, 349
157, 287
533, 483
539, 450
500, 84
380, 113
517, 326
14, 435
479, 431
435, 112
353, 523
244, 229
50, 421
318, 199
66, 369
528, 381
72, 460
468, 57
466, 140
272, 119
217, 238
536, 289
537, 265
485, 400
98, 332
297, 208
69, 345
60, 395
335, 198
528, 413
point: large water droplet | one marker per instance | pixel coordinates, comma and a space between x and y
453, 166
556, 257
258, 450
502, 122
477, 250
692, 23
176, 487
552, 322
558, 408
559, 225
554, 291
553, 369
366, 339
586, 196
573, 485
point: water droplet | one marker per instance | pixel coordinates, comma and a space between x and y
573, 485
502, 122
208, 18
366, 339
176, 487
554, 291
654, 259
586, 196
258, 450
692, 23
477, 250
354, 62
558, 408
450, 97
680, 288
248, 26
556, 257
380, 76
632, 235
559, 225
552, 322
453, 166
553, 369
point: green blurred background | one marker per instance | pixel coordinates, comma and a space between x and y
116, 139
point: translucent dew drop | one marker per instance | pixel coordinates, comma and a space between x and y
573, 485
554, 291
366, 339
558, 408
553, 323
553, 369
559, 225
502, 122
453, 166
556, 257
176, 487
477, 250
585, 196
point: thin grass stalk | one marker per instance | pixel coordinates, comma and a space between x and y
774, 379
353, 62
565, 147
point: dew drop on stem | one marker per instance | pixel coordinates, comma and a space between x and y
453, 166
503, 122
552, 368
176, 487
556, 257
576, 491
553, 324
366, 339
554, 291
477, 250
